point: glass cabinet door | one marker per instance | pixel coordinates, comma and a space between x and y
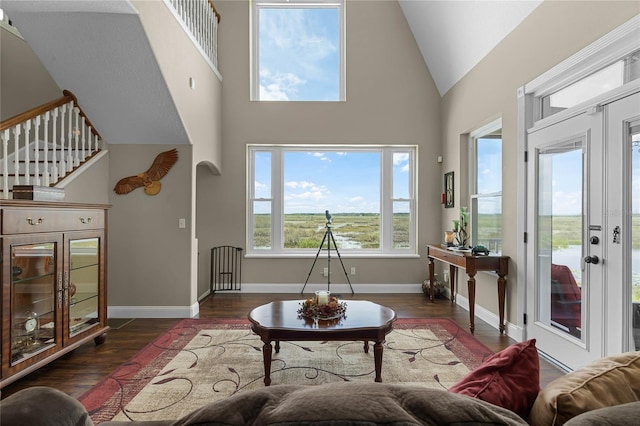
82, 283
36, 299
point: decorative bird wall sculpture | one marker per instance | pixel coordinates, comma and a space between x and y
150, 179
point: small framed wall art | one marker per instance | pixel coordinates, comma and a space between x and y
448, 190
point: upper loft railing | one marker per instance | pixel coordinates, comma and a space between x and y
43, 145
200, 20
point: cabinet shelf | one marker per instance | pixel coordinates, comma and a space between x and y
78, 268
33, 278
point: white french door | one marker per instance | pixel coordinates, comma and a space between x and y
564, 249
583, 253
622, 234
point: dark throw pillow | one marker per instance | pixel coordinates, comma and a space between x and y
508, 379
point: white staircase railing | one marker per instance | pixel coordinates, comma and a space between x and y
45, 144
200, 20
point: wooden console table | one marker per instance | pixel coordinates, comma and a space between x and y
472, 264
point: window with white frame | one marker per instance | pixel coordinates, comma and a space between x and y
486, 186
297, 50
598, 82
369, 191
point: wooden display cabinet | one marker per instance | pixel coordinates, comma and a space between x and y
53, 282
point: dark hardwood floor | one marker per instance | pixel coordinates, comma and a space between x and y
76, 372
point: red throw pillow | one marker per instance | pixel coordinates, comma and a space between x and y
509, 379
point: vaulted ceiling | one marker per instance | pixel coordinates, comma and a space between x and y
454, 36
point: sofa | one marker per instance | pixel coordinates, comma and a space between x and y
502, 391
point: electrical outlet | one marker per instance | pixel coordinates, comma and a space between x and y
325, 272
353, 270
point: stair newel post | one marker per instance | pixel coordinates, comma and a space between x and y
27, 143
5, 163
76, 137
36, 148
45, 173
16, 154
70, 137
54, 168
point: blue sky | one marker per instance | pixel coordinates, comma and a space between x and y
299, 54
338, 181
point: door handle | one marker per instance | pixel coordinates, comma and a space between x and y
594, 260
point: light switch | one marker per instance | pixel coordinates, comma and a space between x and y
182, 223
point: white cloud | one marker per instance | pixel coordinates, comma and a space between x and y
302, 184
400, 157
261, 190
278, 87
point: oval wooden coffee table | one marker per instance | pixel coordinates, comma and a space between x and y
366, 321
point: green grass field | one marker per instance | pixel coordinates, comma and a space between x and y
349, 230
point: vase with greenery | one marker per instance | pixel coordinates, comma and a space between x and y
460, 228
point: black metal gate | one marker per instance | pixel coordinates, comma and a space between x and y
226, 268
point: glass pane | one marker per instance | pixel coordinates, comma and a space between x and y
347, 184
33, 268
401, 175
262, 175
401, 222
489, 166
262, 225
635, 233
560, 201
489, 222
589, 87
83, 282
299, 54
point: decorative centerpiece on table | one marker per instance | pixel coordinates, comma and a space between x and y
322, 306
460, 228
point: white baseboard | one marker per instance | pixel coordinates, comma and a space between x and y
335, 288
511, 330
153, 311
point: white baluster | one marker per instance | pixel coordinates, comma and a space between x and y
45, 173
199, 20
36, 156
76, 137
27, 142
70, 137
97, 143
89, 142
54, 160
62, 169
5, 163
84, 141
17, 131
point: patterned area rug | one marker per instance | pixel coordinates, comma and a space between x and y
203, 360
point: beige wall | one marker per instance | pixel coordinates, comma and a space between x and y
553, 32
24, 82
391, 99
149, 256
91, 185
179, 61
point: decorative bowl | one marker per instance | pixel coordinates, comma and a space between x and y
310, 308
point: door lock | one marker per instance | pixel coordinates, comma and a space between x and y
594, 260
594, 240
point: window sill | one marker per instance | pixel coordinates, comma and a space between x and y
333, 255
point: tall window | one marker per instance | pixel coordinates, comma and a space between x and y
298, 50
368, 191
486, 186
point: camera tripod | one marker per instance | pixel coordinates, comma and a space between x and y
328, 237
